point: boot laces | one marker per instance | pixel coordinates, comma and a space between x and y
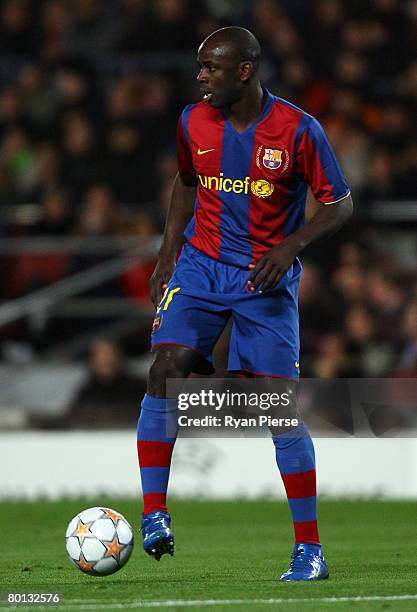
300, 561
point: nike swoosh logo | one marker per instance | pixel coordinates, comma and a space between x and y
200, 152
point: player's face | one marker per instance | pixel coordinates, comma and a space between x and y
219, 76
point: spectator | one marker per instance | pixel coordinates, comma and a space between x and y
380, 183
109, 397
124, 99
82, 165
17, 30
20, 159
8, 195
53, 19
406, 180
317, 309
370, 356
11, 107
136, 277
332, 360
47, 171
130, 167
350, 283
39, 103
171, 25
99, 215
94, 28
387, 295
56, 218
167, 170
407, 365
135, 16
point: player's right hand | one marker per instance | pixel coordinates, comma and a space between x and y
159, 280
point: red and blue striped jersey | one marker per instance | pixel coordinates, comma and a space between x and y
252, 185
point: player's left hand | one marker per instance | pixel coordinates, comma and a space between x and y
272, 266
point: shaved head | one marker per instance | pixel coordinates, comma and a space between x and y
234, 43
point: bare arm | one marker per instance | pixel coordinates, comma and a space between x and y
179, 214
325, 222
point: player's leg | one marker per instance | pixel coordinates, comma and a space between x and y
295, 458
265, 342
188, 322
156, 436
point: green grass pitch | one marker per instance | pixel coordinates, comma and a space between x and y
224, 551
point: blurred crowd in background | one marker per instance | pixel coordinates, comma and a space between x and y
90, 94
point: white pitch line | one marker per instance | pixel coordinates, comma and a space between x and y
209, 602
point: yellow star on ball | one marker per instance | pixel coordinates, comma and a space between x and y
113, 548
82, 531
114, 516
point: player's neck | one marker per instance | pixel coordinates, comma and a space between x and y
244, 113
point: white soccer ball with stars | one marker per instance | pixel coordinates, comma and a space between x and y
99, 541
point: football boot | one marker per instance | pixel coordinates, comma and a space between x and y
158, 538
307, 563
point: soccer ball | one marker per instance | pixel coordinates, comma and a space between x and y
99, 541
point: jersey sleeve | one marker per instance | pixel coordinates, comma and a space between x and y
185, 160
316, 163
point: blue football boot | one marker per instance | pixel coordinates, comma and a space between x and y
307, 563
158, 538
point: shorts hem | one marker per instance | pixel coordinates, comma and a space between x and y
261, 375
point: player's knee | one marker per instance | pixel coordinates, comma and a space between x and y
169, 362
166, 367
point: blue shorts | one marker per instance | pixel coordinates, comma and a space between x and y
201, 296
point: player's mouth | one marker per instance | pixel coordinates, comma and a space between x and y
207, 95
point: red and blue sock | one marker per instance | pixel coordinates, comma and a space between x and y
156, 435
297, 464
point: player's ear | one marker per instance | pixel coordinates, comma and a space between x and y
245, 70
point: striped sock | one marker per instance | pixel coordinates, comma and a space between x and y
296, 462
156, 436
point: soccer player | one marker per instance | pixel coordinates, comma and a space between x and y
245, 161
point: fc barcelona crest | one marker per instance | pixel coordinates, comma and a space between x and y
272, 158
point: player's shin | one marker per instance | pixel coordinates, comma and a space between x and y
296, 462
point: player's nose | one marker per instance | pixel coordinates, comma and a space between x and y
202, 76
